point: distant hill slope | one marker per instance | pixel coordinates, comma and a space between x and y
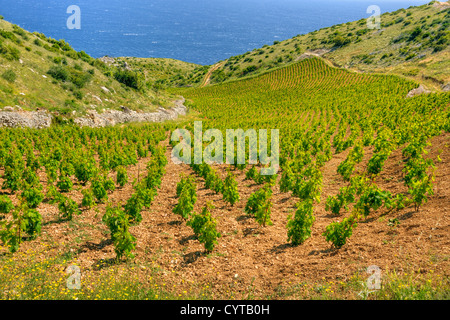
412, 42
166, 72
40, 72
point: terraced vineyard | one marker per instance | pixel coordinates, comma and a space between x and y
354, 152
321, 112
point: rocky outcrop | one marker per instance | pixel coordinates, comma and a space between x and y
313, 53
35, 120
113, 117
446, 87
414, 92
9, 117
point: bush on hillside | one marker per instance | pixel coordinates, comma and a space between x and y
9, 52
249, 69
59, 73
66, 74
9, 76
130, 79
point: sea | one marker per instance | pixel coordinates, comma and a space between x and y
197, 31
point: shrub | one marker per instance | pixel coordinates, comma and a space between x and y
205, 227
12, 178
130, 79
32, 221
9, 76
59, 73
340, 41
108, 184
117, 222
79, 78
133, 208
37, 42
420, 190
84, 171
185, 203
259, 205
198, 221
230, 191
122, 176
299, 225
287, 179
249, 69
189, 183
99, 190
67, 208
146, 195
6, 204
64, 183
373, 198
88, 198
9, 52
33, 196
339, 232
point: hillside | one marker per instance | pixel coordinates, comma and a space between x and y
167, 72
413, 43
40, 72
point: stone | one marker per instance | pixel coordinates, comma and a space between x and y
105, 89
420, 90
446, 87
9, 117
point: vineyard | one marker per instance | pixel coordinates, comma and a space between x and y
362, 182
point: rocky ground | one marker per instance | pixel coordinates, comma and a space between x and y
16, 117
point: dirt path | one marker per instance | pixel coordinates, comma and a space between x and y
207, 78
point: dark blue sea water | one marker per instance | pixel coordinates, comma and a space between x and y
199, 31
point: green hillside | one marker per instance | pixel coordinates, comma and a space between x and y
40, 72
